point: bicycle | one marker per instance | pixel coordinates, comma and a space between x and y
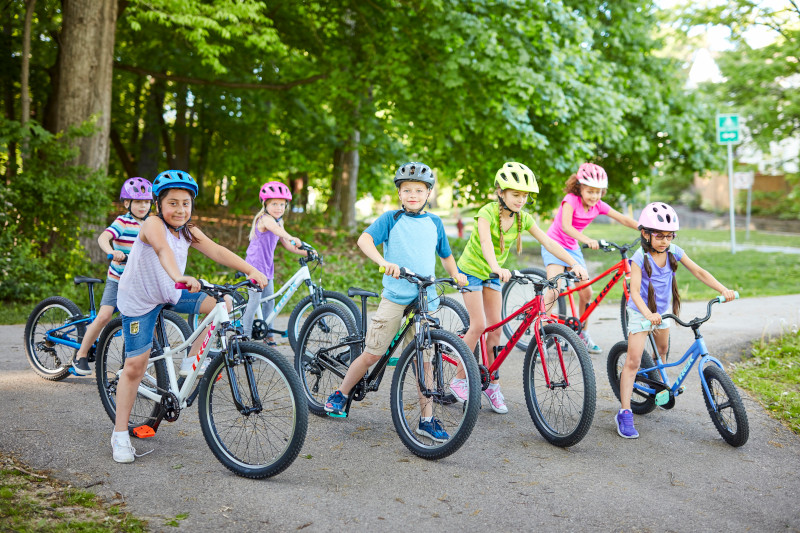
56, 326
329, 342
515, 296
317, 296
560, 391
652, 387
252, 412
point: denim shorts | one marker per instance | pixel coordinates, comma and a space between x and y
550, 259
110, 293
138, 330
475, 283
635, 319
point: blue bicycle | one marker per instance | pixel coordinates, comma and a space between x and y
652, 387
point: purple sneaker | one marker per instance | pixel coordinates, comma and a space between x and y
624, 420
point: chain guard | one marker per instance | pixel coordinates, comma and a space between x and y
170, 407
259, 330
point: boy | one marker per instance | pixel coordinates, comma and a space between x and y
411, 238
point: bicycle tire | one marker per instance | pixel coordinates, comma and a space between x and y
623, 315
457, 419
731, 419
641, 402
298, 316
237, 310
453, 317
50, 360
261, 443
563, 414
516, 295
326, 326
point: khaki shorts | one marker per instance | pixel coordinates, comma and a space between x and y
383, 328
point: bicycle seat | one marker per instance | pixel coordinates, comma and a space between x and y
84, 279
355, 291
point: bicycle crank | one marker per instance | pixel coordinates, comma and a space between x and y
170, 407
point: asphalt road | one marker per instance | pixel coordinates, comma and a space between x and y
355, 473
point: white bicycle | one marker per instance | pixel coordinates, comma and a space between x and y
253, 411
317, 297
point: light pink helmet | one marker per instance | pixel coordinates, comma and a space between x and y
593, 176
659, 216
274, 189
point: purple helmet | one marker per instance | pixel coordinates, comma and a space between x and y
136, 189
659, 216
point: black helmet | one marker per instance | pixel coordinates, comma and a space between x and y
414, 172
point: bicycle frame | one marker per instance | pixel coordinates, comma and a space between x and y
60, 335
621, 269
289, 288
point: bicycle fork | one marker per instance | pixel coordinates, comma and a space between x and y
233, 358
540, 342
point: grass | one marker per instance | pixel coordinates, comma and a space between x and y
772, 375
30, 501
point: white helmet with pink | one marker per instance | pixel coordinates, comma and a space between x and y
659, 216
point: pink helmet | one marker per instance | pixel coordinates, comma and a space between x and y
136, 189
274, 189
593, 176
659, 216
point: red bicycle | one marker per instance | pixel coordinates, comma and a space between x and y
557, 376
516, 294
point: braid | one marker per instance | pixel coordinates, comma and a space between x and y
676, 297
500, 228
651, 293
519, 234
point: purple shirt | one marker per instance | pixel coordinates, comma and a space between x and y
580, 219
261, 252
661, 279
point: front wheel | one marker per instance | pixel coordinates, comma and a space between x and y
48, 323
450, 424
262, 435
729, 416
641, 402
515, 295
562, 403
303, 310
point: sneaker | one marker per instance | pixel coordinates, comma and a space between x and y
460, 389
81, 366
624, 420
188, 363
122, 449
496, 400
336, 403
433, 430
590, 344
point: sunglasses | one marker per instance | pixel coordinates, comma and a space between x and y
662, 236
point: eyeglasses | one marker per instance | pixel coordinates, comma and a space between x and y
662, 236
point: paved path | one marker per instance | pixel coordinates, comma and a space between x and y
355, 473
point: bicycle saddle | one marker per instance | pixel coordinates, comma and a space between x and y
355, 291
84, 279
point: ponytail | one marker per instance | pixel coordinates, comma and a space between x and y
255, 220
502, 235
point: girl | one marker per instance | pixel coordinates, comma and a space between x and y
653, 293
496, 224
580, 206
264, 235
155, 264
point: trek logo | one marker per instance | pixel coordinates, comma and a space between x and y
286, 297
606, 289
399, 332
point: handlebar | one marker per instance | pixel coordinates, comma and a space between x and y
416, 279
646, 324
219, 290
608, 246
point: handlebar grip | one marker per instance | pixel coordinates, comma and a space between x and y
109, 256
382, 270
646, 324
494, 276
721, 298
181, 286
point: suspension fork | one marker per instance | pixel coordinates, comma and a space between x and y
234, 353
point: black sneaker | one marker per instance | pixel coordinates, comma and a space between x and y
81, 367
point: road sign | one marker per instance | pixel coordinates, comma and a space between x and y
743, 180
728, 129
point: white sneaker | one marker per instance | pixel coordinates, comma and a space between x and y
591, 346
122, 449
186, 364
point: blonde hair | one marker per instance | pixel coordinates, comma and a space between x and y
500, 226
260, 214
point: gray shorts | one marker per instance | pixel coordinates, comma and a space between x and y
110, 293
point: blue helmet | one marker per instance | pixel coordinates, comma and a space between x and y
174, 179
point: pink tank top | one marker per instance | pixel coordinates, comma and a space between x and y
144, 283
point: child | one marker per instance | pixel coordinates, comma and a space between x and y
653, 293
495, 224
580, 206
410, 238
116, 240
155, 264
266, 231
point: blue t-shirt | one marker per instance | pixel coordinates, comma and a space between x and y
661, 279
413, 242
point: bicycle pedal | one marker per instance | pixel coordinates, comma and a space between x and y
334, 415
142, 432
72, 371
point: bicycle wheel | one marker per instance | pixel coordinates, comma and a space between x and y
264, 436
641, 402
108, 368
730, 418
239, 303
327, 328
623, 315
49, 359
514, 296
408, 404
453, 316
563, 410
303, 310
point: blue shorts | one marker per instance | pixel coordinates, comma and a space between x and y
138, 330
475, 284
110, 293
635, 319
550, 259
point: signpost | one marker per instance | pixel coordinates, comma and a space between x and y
728, 133
744, 180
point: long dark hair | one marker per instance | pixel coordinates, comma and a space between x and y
648, 269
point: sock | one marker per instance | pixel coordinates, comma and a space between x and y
343, 394
425, 418
120, 435
494, 386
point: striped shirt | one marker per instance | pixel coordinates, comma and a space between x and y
124, 231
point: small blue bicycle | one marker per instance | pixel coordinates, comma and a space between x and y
652, 388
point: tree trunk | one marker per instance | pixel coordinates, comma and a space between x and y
183, 140
336, 179
25, 96
348, 186
150, 147
87, 64
8, 98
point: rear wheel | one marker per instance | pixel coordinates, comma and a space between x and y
515, 295
303, 310
452, 315
563, 409
623, 316
50, 320
641, 402
729, 417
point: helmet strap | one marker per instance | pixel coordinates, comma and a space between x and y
409, 212
503, 205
